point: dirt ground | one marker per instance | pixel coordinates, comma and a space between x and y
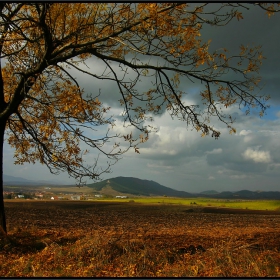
168, 225
110, 239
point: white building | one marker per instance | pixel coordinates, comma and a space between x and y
75, 197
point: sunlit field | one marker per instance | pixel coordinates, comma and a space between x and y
232, 203
159, 237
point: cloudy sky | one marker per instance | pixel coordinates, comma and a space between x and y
180, 158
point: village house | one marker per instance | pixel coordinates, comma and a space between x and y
75, 197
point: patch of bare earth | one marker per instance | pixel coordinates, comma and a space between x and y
103, 239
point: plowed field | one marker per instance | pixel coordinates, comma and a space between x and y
130, 239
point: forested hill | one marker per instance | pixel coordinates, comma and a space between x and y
135, 186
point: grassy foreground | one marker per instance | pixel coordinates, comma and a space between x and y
112, 239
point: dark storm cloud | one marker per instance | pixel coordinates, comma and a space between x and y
255, 29
180, 158
232, 159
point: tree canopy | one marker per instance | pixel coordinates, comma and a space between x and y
46, 114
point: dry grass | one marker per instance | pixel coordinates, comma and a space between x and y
109, 240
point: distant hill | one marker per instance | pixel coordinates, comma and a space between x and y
211, 192
19, 181
245, 194
135, 186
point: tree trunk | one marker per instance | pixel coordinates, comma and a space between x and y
2, 208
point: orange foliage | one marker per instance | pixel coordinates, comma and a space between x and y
48, 114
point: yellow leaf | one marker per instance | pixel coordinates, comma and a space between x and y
238, 16
233, 130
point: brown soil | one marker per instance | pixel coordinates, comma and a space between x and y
167, 225
220, 210
117, 231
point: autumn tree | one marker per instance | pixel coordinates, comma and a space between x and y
45, 114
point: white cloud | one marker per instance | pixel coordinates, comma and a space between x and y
215, 151
245, 132
247, 138
248, 135
257, 156
278, 114
211, 178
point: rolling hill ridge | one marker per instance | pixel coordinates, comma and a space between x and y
135, 186
19, 181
